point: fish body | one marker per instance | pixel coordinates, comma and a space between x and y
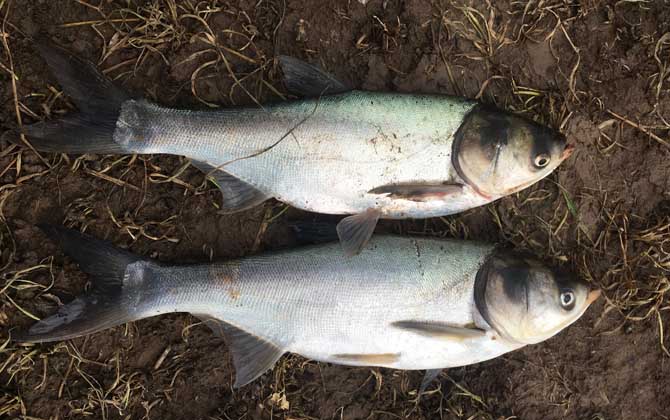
325, 154
370, 155
318, 303
405, 303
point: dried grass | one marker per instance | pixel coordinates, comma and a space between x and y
628, 257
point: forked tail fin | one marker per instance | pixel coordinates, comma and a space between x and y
113, 272
99, 102
119, 280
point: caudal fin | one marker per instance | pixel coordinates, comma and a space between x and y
104, 306
117, 276
99, 102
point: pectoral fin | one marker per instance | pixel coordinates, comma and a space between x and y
306, 80
375, 359
355, 231
419, 192
252, 355
440, 330
237, 194
430, 376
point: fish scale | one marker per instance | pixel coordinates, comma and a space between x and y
403, 302
296, 150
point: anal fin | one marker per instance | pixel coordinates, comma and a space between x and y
237, 194
252, 355
355, 231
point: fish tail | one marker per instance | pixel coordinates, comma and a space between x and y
120, 281
115, 274
99, 102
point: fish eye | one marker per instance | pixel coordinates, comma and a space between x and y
567, 299
541, 160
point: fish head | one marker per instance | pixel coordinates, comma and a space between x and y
526, 301
498, 153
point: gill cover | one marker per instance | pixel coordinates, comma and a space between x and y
527, 302
498, 153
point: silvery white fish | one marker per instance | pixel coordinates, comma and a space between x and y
404, 303
338, 151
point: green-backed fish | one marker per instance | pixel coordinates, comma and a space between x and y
403, 303
370, 155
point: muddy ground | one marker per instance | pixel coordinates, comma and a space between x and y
596, 70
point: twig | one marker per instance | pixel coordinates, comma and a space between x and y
639, 127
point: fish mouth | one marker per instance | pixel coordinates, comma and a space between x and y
593, 296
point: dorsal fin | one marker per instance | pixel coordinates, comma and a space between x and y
307, 80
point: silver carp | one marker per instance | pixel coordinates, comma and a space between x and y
370, 155
403, 303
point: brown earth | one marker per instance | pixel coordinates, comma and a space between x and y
596, 70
